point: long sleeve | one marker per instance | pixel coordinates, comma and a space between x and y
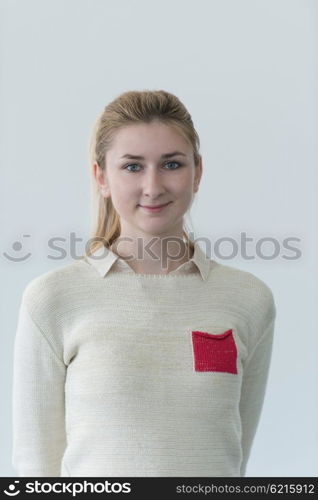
253, 389
39, 436
103, 388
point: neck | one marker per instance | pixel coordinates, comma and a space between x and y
155, 255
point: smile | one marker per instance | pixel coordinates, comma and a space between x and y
157, 208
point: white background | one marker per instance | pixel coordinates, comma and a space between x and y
247, 72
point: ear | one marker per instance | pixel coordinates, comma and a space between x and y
101, 180
197, 175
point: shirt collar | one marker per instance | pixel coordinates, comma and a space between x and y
103, 259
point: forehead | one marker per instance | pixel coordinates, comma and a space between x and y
151, 138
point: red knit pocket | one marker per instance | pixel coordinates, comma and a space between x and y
214, 353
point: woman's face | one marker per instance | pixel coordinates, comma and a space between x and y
133, 183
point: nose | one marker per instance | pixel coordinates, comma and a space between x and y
152, 183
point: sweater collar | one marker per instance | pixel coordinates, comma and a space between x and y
103, 259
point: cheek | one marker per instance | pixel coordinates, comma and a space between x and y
184, 192
120, 190
124, 197
185, 181
183, 188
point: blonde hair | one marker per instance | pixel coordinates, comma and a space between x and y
129, 108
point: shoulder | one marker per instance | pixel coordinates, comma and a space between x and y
49, 289
247, 288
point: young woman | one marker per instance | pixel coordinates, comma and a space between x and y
145, 357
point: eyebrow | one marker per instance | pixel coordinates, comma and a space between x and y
166, 155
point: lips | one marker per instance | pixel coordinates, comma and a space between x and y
154, 209
155, 206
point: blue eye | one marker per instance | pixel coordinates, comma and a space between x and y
131, 165
175, 162
167, 163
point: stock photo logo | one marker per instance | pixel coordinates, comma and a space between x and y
17, 246
223, 248
12, 490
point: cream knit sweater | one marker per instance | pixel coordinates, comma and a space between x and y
125, 374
